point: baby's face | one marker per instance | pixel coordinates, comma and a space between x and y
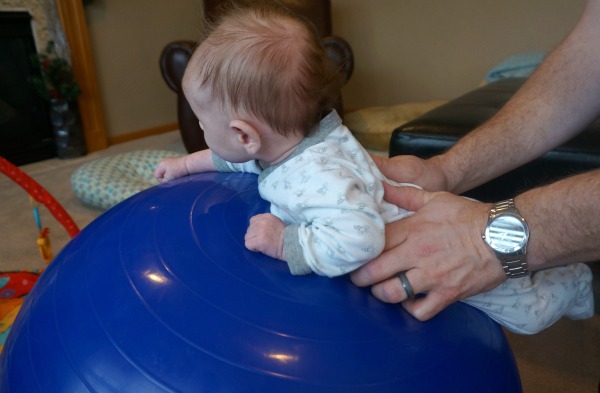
220, 137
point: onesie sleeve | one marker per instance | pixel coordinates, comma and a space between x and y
226, 166
339, 227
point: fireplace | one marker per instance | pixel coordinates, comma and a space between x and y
25, 131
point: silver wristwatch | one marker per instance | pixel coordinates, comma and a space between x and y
507, 234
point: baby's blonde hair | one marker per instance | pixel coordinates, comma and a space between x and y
266, 62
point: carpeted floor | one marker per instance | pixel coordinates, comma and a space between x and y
564, 358
18, 231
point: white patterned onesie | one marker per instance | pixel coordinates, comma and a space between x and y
329, 194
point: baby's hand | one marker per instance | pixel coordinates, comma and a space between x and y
170, 168
265, 234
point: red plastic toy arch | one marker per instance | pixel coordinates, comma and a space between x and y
40, 194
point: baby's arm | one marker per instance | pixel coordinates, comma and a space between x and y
334, 241
333, 218
320, 247
172, 168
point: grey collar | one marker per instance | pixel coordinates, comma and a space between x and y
317, 135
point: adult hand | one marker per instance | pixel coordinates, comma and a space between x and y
411, 169
440, 249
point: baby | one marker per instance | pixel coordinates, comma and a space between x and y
261, 86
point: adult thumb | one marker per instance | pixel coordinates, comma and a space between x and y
407, 197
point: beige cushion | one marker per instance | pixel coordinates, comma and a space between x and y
373, 126
104, 182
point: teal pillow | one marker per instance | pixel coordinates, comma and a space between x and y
104, 182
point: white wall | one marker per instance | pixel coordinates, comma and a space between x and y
405, 50
419, 50
127, 37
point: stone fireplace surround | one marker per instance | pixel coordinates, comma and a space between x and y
45, 23
26, 133
64, 22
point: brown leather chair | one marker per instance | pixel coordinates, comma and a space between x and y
176, 55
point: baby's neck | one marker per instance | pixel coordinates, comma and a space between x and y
267, 163
281, 150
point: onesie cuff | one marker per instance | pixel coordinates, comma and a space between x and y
220, 164
292, 251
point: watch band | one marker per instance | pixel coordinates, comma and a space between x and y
503, 206
516, 268
513, 264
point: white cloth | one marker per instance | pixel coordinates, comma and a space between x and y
528, 305
329, 194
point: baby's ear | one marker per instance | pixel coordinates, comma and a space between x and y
248, 136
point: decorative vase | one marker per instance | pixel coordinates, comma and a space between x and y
66, 123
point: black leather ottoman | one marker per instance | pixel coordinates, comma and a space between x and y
437, 130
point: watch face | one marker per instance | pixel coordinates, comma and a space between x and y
507, 234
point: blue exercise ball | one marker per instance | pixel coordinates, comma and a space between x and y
159, 294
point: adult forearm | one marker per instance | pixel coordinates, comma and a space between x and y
564, 221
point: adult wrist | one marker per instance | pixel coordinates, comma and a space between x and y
445, 179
